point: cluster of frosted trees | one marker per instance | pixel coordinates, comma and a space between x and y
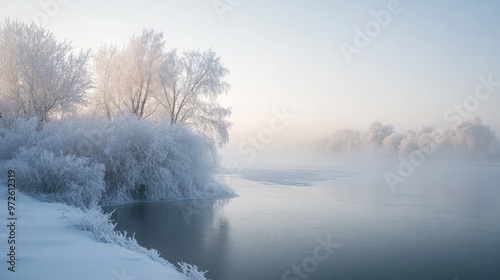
468, 140
39, 76
119, 124
150, 82
44, 78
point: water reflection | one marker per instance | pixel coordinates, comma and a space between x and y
187, 231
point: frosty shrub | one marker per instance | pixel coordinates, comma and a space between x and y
62, 178
157, 161
192, 271
86, 161
101, 225
15, 135
81, 137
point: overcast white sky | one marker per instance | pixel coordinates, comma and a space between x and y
286, 54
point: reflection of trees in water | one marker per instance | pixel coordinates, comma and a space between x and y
216, 252
192, 231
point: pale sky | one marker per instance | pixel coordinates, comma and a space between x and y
427, 58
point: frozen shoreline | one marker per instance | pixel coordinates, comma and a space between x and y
50, 246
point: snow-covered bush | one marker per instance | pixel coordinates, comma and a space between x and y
81, 137
115, 161
191, 271
15, 135
157, 161
63, 178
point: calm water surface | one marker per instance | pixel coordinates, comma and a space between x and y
442, 224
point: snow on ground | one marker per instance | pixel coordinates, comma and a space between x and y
49, 247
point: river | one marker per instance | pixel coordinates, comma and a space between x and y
336, 223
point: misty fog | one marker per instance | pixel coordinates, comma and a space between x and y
242, 140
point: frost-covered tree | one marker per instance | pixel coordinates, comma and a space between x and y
191, 84
146, 80
409, 143
127, 80
392, 142
140, 65
375, 134
474, 139
39, 76
345, 140
107, 73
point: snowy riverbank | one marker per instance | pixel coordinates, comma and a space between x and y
50, 244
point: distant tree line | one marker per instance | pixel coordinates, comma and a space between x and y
470, 139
